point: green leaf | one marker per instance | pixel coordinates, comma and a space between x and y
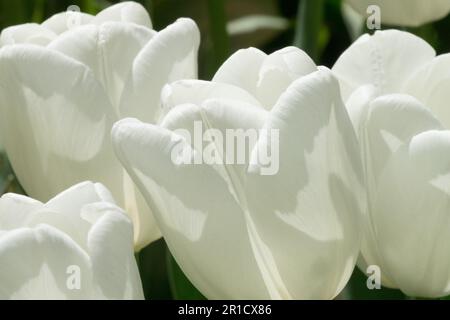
308, 27
153, 270
182, 288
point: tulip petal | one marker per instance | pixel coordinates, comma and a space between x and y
193, 228
385, 60
63, 211
48, 104
15, 210
109, 238
128, 11
197, 91
265, 76
72, 200
26, 33
279, 70
241, 69
412, 196
383, 140
306, 213
410, 13
384, 134
61, 22
36, 264
235, 120
79, 231
430, 85
101, 49
171, 55
358, 105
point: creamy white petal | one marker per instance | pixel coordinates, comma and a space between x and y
308, 213
430, 84
101, 49
265, 76
241, 69
358, 106
26, 33
391, 122
197, 91
61, 22
109, 238
63, 211
235, 120
35, 264
128, 11
15, 210
411, 218
170, 55
78, 237
186, 197
53, 134
385, 60
279, 70
410, 13
195, 210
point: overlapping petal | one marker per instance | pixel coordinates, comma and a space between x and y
265, 76
410, 13
385, 60
406, 183
100, 48
40, 253
199, 206
170, 56
50, 129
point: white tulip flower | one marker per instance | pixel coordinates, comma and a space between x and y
409, 13
63, 86
78, 245
236, 233
395, 61
398, 103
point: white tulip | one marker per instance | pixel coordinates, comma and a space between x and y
399, 107
409, 13
78, 245
395, 61
238, 234
60, 98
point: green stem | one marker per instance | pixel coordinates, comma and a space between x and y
309, 21
219, 35
38, 11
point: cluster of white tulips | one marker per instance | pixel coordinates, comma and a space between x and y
363, 176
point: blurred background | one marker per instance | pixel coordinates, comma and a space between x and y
226, 26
